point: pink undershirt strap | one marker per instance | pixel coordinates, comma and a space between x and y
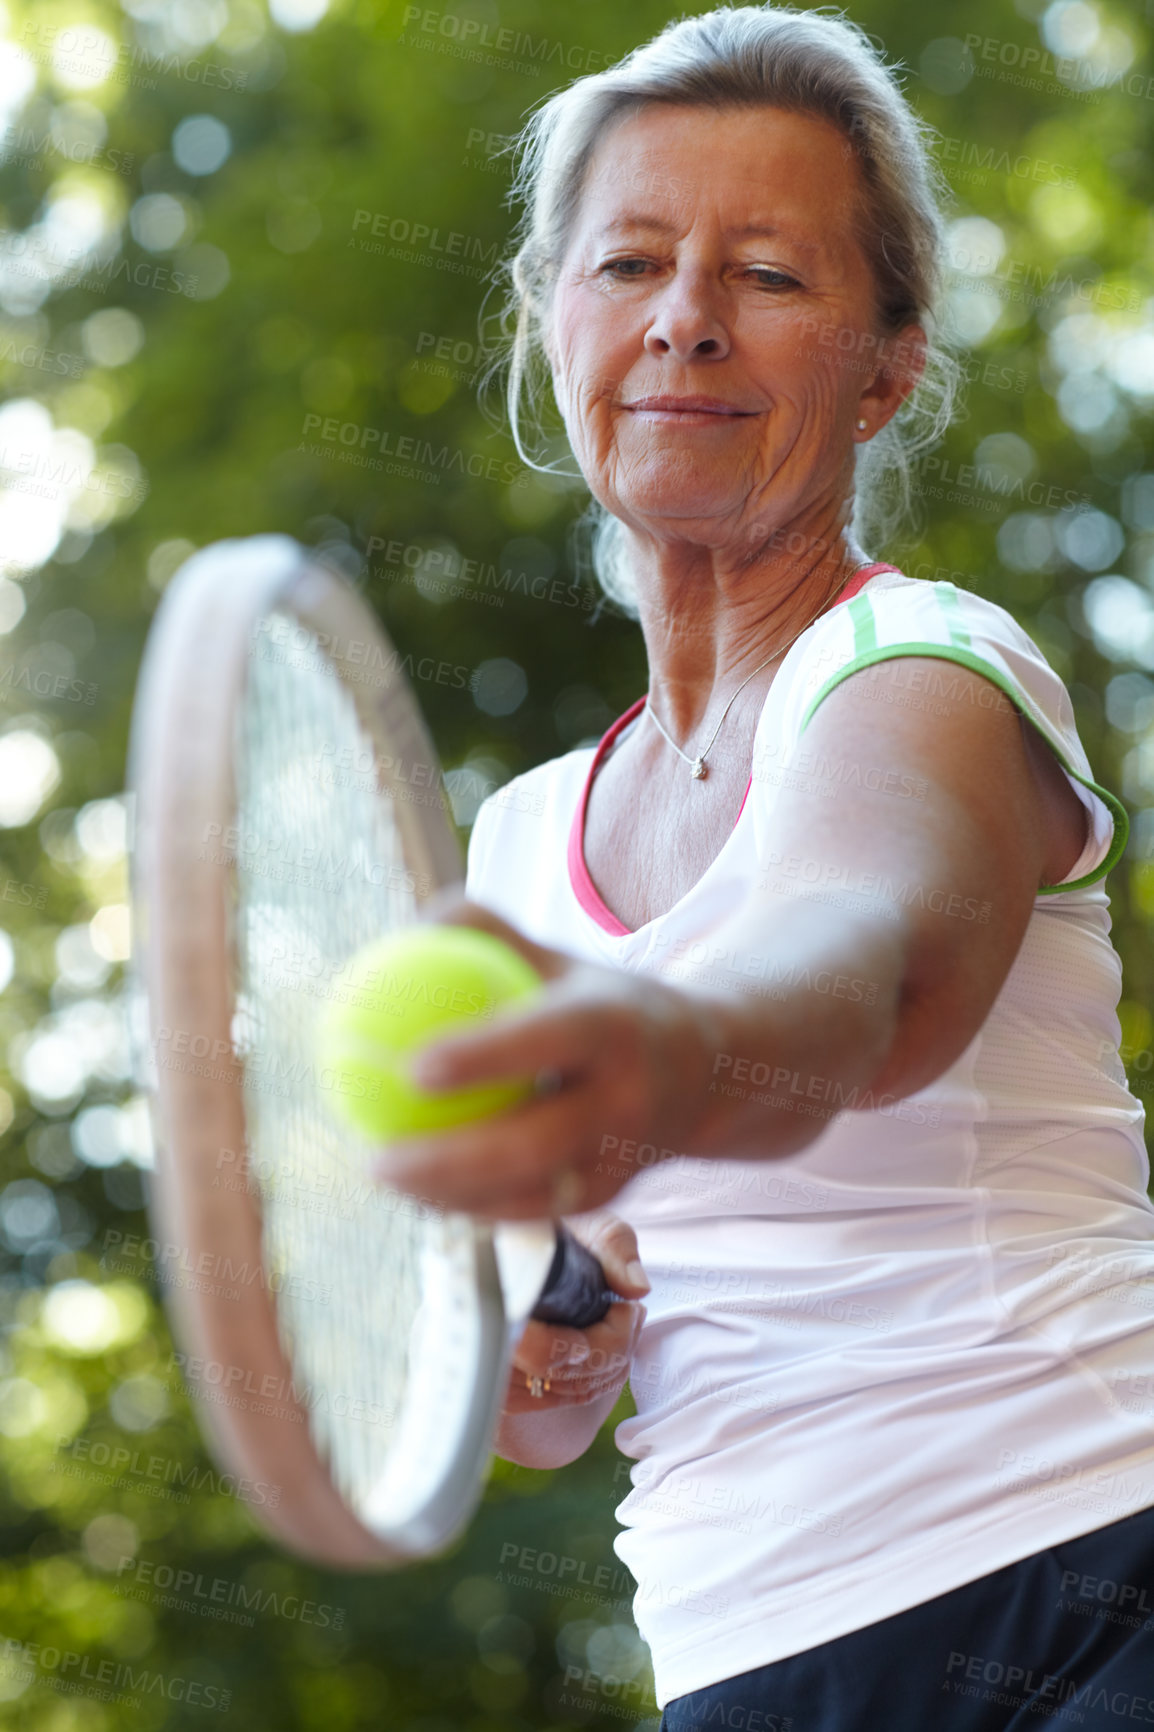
584, 888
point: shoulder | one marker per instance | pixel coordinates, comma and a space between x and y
896, 616
893, 608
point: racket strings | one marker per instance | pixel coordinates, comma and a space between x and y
320, 870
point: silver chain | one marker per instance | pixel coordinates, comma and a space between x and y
696, 764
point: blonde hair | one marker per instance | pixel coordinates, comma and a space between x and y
804, 62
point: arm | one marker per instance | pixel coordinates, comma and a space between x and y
638, 1056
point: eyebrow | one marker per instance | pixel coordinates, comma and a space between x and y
633, 220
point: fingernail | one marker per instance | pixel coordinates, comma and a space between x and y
579, 1353
637, 1274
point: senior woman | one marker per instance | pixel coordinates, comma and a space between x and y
831, 1004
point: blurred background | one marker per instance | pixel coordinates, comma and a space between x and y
243, 261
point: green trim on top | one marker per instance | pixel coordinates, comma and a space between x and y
865, 635
952, 609
1021, 701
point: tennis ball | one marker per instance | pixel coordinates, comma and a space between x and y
398, 994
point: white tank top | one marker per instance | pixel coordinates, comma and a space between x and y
923, 1347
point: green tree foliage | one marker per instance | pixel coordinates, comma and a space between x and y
240, 282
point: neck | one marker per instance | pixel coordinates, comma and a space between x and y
707, 627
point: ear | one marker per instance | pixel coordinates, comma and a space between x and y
903, 361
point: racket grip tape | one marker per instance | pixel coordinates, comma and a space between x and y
574, 1293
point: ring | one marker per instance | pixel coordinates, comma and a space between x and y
537, 1386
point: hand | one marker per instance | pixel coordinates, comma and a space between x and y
583, 1365
627, 1061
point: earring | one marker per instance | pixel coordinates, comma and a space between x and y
861, 426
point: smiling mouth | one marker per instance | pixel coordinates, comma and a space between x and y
687, 409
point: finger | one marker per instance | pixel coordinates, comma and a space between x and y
605, 1372
478, 1167
592, 1383
579, 1383
543, 1034
512, 1199
546, 1349
537, 1198
614, 1244
520, 1401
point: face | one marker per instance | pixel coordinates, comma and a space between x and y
713, 259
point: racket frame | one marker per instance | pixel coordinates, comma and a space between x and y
184, 719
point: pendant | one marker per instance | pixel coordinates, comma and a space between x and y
698, 770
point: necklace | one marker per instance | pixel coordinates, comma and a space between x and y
697, 765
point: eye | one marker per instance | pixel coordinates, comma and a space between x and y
768, 278
620, 267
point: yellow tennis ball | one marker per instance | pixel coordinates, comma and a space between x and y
398, 994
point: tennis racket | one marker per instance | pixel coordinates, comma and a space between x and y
348, 1344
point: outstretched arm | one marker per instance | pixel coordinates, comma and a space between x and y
640, 1058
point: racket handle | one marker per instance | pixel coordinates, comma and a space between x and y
574, 1293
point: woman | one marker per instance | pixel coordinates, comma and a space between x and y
831, 1014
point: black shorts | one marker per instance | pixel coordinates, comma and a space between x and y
1064, 1638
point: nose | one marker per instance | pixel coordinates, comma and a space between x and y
687, 321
